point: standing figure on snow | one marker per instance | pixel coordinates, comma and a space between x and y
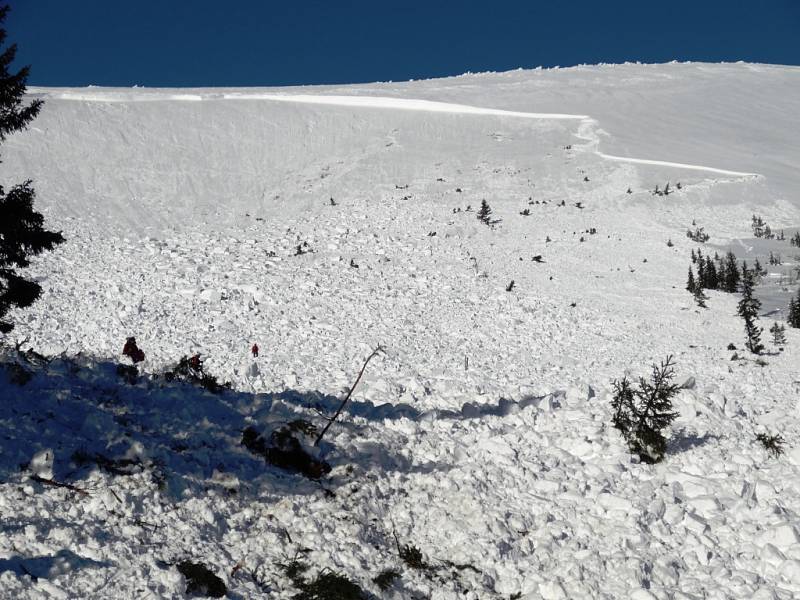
132, 351
254, 350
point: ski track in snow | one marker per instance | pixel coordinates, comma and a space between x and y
401, 104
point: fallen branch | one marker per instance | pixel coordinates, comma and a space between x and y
54, 483
350, 393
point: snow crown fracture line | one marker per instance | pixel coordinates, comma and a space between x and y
366, 102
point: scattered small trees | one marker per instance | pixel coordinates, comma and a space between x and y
698, 235
643, 412
748, 309
714, 274
761, 229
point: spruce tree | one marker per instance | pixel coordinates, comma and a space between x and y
485, 213
700, 297
710, 282
748, 309
701, 271
21, 231
690, 283
758, 270
778, 334
794, 311
731, 280
642, 414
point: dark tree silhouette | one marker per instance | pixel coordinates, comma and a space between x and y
794, 311
731, 278
700, 296
643, 413
485, 213
21, 231
748, 309
778, 334
690, 283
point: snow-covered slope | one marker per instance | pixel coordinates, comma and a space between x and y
475, 437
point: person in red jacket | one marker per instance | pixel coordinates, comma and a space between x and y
254, 350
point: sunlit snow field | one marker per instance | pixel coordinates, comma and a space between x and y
482, 435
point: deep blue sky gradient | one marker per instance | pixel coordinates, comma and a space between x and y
250, 42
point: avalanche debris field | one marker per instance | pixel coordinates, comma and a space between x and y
476, 458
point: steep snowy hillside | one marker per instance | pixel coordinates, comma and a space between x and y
321, 222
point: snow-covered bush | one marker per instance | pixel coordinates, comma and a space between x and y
642, 413
191, 370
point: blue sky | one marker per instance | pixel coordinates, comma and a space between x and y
250, 42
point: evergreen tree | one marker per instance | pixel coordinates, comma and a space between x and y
794, 311
748, 309
21, 232
731, 282
701, 271
778, 334
758, 270
623, 405
710, 282
700, 297
485, 213
690, 284
642, 414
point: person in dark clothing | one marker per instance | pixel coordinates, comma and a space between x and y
254, 350
130, 346
132, 351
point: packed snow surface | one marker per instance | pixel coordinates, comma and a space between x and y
322, 222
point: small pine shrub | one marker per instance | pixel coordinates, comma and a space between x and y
412, 557
386, 578
772, 443
778, 334
642, 413
698, 235
327, 585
